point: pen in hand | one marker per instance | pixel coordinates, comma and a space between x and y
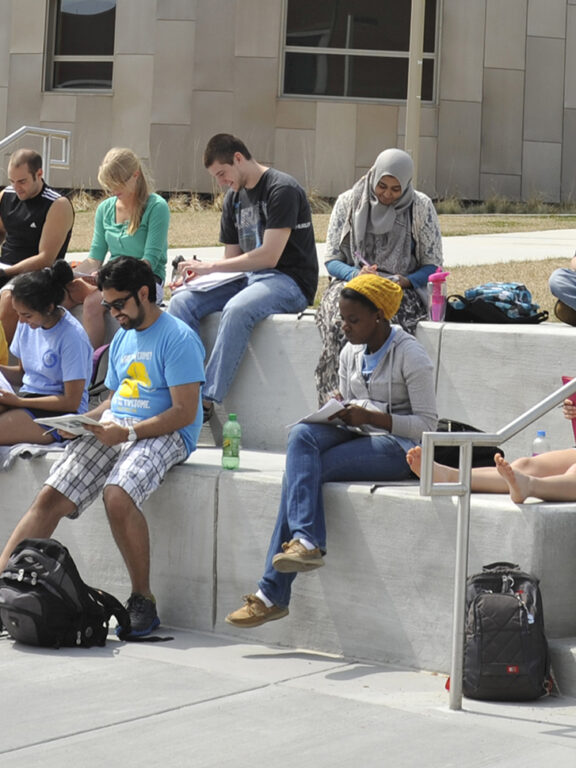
361, 259
366, 263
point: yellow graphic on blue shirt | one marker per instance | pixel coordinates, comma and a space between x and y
137, 376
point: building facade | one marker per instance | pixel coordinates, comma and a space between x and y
314, 88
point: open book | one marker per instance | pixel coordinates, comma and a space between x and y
207, 282
323, 414
73, 423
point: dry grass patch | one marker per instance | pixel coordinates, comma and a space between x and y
484, 224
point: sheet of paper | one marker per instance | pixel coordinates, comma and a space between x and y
323, 414
72, 423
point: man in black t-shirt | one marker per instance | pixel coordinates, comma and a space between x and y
266, 228
35, 227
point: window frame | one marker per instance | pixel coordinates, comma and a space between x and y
51, 58
356, 52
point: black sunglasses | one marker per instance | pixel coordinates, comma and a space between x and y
118, 304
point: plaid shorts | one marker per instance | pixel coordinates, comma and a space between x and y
139, 468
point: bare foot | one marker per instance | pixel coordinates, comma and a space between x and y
518, 483
414, 459
441, 473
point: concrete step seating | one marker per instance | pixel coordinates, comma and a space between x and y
386, 591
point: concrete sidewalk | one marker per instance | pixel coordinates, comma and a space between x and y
203, 700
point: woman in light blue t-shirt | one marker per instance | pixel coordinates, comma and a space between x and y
53, 359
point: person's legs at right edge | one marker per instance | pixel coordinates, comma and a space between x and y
562, 284
558, 487
491, 480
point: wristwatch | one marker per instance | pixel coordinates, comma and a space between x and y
132, 436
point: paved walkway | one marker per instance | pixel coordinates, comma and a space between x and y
206, 701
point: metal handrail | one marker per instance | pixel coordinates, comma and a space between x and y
47, 135
466, 441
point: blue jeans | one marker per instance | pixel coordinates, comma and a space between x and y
243, 303
562, 284
316, 454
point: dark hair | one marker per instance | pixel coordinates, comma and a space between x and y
127, 274
44, 289
221, 149
352, 295
28, 157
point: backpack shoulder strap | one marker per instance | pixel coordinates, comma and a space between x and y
113, 607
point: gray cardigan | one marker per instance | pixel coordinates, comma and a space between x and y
402, 384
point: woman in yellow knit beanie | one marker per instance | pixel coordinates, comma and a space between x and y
384, 294
387, 401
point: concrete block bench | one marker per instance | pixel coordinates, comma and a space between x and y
385, 594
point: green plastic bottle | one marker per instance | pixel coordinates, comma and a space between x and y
231, 434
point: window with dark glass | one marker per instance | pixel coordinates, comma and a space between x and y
82, 33
354, 48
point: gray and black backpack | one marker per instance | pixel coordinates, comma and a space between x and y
45, 602
506, 652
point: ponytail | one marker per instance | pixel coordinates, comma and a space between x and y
43, 290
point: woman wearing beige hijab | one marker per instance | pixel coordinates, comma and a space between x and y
383, 226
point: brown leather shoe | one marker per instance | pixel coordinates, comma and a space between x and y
295, 558
254, 613
564, 313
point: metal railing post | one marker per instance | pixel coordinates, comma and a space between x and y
460, 576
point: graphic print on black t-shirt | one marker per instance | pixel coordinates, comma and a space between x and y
250, 223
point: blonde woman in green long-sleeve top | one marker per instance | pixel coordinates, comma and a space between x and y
132, 221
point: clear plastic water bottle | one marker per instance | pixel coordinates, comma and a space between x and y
541, 443
231, 434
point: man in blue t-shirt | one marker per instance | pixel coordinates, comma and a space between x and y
267, 232
149, 423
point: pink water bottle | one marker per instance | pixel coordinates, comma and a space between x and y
437, 295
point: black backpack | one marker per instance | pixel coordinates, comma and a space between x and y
482, 455
506, 653
44, 602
